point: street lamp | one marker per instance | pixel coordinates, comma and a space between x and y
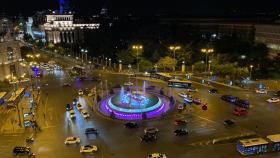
137, 48
251, 68
174, 48
207, 51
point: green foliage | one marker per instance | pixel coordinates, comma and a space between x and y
125, 56
145, 64
167, 63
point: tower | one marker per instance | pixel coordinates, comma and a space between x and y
64, 6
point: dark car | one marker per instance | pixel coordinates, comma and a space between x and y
75, 101
179, 122
180, 132
69, 107
229, 122
151, 130
20, 150
66, 85
242, 103
148, 137
277, 94
213, 90
229, 98
91, 131
131, 125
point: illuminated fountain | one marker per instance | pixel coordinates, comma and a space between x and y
134, 104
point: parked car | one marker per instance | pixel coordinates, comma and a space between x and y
131, 125
213, 90
180, 132
88, 149
91, 131
229, 98
157, 155
72, 140
273, 100
240, 111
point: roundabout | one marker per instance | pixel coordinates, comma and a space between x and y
134, 104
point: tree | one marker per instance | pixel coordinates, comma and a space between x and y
167, 63
145, 64
125, 56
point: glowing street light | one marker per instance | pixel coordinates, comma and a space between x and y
206, 51
137, 48
251, 68
174, 48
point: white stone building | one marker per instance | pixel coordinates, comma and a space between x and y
60, 28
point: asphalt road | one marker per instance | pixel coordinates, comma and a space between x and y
115, 141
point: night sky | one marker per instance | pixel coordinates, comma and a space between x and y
146, 7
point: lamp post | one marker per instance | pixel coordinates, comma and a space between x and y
156, 66
120, 65
174, 48
209, 63
207, 51
110, 62
137, 48
251, 68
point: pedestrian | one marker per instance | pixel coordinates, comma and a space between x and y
256, 128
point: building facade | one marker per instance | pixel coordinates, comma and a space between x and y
269, 35
10, 57
60, 28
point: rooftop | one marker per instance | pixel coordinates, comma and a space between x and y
274, 138
253, 142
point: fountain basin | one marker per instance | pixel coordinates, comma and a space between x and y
148, 103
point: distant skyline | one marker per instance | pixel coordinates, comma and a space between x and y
145, 7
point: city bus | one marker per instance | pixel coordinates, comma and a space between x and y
252, 146
179, 83
17, 94
2, 94
274, 141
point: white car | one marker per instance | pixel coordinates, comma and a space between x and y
157, 155
72, 114
273, 100
261, 91
188, 99
80, 92
192, 90
85, 114
79, 107
72, 140
128, 84
88, 149
183, 95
